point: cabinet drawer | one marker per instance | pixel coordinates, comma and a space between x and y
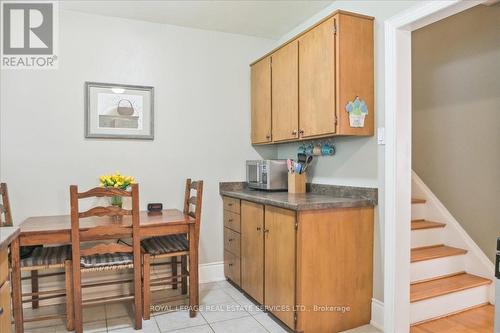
232, 204
232, 221
232, 241
232, 267
5, 310
4, 266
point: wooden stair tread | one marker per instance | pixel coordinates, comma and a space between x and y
477, 320
424, 224
434, 252
418, 201
443, 286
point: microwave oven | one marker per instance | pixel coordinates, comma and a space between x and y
268, 175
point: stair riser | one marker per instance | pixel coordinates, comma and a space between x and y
426, 237
418, 211
428, 269
447, 304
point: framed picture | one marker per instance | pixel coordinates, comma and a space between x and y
119, 111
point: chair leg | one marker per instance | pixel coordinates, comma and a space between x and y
34, 289
146, 287
70, 325
184, 286
174, 272
77, 297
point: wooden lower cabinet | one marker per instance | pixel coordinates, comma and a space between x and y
5, 309
279, 263
232, 268
313, 270
5, 315
252, 249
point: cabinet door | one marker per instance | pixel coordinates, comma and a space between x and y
261, 101
5, 315
280, 261
317, 80
252, 249
285, 92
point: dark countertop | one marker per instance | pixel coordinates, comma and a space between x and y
317, 197
7, 235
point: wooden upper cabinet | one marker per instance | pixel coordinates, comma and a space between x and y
261, 101
285, 92
355, 71
317, 80
312, 79
280, 263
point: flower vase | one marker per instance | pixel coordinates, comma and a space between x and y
117, 201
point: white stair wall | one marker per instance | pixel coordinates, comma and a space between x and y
450, 303
475, 261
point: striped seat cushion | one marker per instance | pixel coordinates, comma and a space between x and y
165, 244
44, 256
108, 259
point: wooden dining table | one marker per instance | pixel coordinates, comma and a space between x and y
51, 230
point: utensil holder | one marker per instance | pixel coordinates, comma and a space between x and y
297, 183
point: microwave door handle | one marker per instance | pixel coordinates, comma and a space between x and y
258, 166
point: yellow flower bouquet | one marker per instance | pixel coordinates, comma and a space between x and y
118, 181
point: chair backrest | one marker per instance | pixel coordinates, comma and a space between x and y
116, 221
193, 202
5, 213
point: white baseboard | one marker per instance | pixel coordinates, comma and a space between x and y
377, 314
209, 272
212, 272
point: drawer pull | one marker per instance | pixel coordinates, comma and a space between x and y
230, 220
230, 204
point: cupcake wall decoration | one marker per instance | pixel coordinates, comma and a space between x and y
357, 110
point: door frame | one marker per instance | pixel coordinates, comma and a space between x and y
398, 152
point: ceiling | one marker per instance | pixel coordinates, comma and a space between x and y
268, 19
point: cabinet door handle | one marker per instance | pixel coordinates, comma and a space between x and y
230, 220
230, 204
266, 231
259, 228
301, 132
294, 132
231, 239
268, 137
1, 311
230, 265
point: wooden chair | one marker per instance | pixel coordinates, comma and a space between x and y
42, 258
172, 246
104, 224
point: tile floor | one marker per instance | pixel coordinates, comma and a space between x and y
223, 309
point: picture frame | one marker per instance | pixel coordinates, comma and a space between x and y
119, 111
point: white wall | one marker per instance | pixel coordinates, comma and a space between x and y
202, 117
359, 161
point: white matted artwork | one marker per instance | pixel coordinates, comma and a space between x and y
119, 111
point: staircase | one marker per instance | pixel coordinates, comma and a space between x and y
449, 273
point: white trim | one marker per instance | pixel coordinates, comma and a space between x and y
377, 320
398, 152
212, 272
